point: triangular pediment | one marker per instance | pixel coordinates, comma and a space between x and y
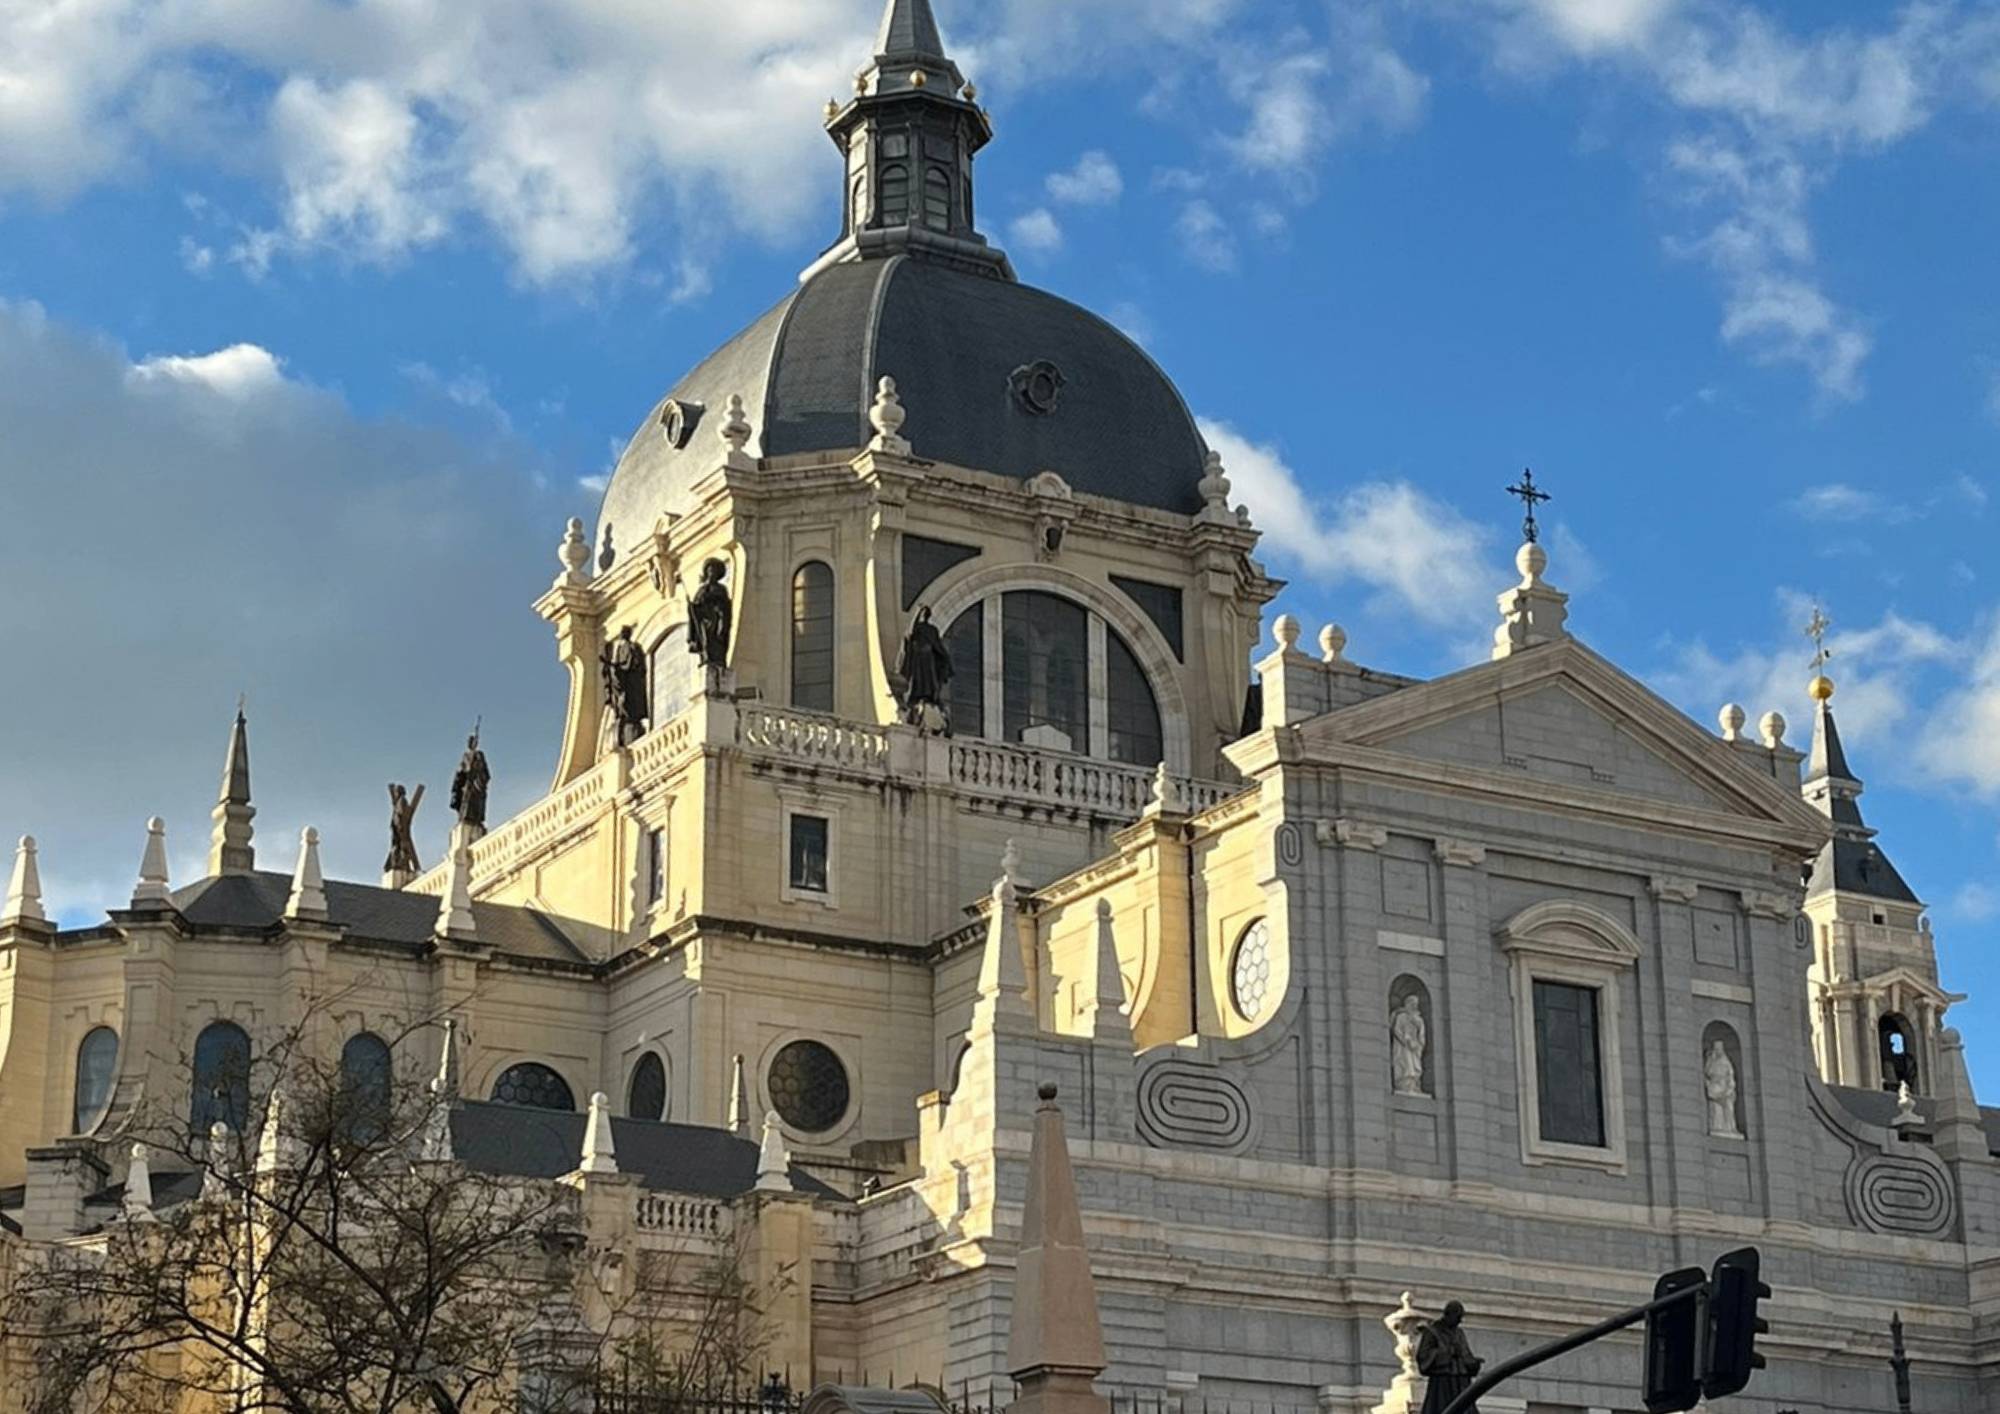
1562, 720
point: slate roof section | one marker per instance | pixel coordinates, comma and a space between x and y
1851, 863
952, 340
675, 1158
255, 901
909, 31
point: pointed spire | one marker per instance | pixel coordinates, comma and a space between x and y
435, 1145
1055, 1342
1851, 862
138, 1200
774, 1160
909, 31
308, 896
599, 1155
1003, 979
230, 850
455, 918
153, 889
1108, 1019
24, 887
739, 1099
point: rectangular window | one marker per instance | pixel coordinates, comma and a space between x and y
1568, 1067
656, 867
965, 640
1045, 667
811, 835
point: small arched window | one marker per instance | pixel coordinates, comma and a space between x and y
937, 199
646, 1096
96, 1067
221, 1078
533, 1086
895, 194
812, 637
365, 1071
1899, 1053
1135, 735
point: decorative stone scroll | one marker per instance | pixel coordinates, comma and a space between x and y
1187, 1107
1902, 1196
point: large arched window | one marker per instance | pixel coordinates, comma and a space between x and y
812, 637
673, 675
1134, 712
365, 1070
533, 1086
965, 641
96, 1066
646, 1095
221, 1078
1045, 670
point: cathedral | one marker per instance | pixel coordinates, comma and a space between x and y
928, 743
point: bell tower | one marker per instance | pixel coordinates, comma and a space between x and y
909, 135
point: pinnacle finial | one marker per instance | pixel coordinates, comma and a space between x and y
774, 1160
1531, 496
573, 554
154, 885
599, 1155
455, 918
887, 417
735, 433
308, 896
1332, 643
231, 848
24, 887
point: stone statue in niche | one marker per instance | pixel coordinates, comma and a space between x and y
1445, 1359
624, 665
402, 830
709, 616
925, 669
469, 784
1718, 1080
1409, 1036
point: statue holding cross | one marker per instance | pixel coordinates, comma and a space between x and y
1531, 496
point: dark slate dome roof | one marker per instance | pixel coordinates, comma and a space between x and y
953, 340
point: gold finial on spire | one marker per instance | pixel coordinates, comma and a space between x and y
1821, 687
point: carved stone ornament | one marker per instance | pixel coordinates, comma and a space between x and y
1354, 834
1462, 853
1038, 387
677, 421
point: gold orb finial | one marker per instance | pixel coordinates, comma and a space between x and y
1820, 689
919, 79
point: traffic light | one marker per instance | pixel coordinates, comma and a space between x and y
1674, 1337
1733, 1323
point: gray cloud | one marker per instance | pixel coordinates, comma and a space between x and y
185, 528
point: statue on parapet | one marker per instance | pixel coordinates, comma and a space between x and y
402, 830
469, 784
624, 665
1446, 1361
710, 615
924, 668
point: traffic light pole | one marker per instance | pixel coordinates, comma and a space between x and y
1507, 1369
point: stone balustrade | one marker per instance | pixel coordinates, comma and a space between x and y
679, 1215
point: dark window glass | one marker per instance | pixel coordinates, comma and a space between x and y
534, 1086
965, 640
96, 1067
1568, 1072
364, 1087
221, 1078
1899, 1053
937, 199
1045, 661
673, 672
1135, 715
646, 1097
809, 852
925, 559
895, 204
656, 866
1162, 604
808, 1086
812, 637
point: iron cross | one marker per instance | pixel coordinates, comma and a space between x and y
1531, 496
1816, 631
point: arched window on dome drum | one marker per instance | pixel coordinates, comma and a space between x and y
646, 1095
1045, 667
533, 1086
673, 675
812, 637
1135, 734
937, 199
895, 194
965, 640
96, 1067
365, 1069
221, 1090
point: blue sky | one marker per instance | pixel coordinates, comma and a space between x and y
317, 319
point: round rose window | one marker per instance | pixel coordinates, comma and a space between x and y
808, 1086
1250, 972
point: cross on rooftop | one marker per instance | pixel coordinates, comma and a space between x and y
1816, 631
1531, 496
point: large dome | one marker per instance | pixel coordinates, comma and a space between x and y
971, 355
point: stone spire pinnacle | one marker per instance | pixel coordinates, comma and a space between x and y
455, 918
1003, 978
739, 1099
1107, 1004
599, 1155
1055, 1343
154, 887
24, 887
1850, 863
436, 1140
909, 31
138, 1200
230, 850
1533, 612
308, 896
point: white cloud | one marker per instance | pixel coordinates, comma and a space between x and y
1205, 237
1301, 103
1975, 902
1589, 26
1413, 550
247, 531
1960, 740
1837, 501
1093, 181
1037, 230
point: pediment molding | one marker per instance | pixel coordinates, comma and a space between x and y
1565, 928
